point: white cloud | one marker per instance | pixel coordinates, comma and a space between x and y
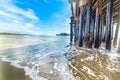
8, 15
15, 19
13, 9
17, 28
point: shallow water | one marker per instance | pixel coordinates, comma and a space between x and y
41, 61
49, 58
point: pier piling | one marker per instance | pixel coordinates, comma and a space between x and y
92, 23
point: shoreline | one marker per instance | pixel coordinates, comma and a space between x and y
9, 72
7, 43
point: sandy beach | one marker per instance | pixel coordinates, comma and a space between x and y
95, 65
8, 72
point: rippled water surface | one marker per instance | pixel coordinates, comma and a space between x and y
50, 58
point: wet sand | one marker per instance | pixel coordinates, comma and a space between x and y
8, 72
92, 65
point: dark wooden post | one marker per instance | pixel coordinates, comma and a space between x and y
77, 13
104, 28
81, 27
88, 34
100, 32
93, 25
71, 24
97, 23
82, 4
109, 17
71, 30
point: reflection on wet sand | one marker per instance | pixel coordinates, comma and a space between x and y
94, 65
8, 72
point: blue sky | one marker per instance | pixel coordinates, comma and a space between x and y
46, 17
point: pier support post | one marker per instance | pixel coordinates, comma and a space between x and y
118, 50
119, 33
109, 17
77, 11
116, 34
72, 24
82, 4
73, 28
98, 23
88, 30
81, 27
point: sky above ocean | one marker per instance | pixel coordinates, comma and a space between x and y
46, 17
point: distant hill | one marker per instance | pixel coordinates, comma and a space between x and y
63, 34
11, 34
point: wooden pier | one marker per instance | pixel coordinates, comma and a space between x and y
92, 23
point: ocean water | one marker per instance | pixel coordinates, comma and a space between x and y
43, 60
51, 58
